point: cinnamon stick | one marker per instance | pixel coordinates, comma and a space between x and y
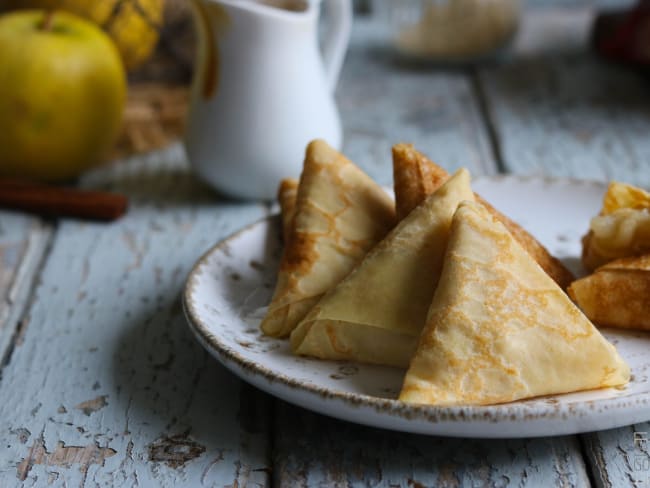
54, 201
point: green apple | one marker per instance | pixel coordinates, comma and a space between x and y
62, 94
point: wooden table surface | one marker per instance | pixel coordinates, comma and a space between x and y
103, 384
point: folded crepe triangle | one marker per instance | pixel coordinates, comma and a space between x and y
416, 176
340, 213
499, 329
377, 312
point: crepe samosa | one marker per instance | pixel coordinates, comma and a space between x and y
622, 229
340, 214
376, 313
500, 329
415, 176
616, 294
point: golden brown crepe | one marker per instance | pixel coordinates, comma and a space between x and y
287, 193
415, 177
621, 229
500, 329
376, 313
617, 294
340, 214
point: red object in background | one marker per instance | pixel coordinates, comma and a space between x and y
624, 36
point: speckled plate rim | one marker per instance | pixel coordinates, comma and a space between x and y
493, 421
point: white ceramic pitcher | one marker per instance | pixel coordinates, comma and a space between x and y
262, 90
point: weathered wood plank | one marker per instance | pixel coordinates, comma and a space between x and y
107, 385
558, 110
319, 451
23, 240
620, 457
384, 100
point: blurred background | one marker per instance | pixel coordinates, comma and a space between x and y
157, 40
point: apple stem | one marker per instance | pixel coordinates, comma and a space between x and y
46, 25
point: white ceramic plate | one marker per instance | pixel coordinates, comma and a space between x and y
230, 285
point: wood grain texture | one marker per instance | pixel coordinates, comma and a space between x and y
312, 450
558, 110
23, 240
620, 457
107, 385
384, 100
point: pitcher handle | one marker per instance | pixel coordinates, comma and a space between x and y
337, 37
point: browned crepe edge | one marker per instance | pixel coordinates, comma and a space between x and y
287, 194
416, 176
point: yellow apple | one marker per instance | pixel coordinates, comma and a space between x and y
132, 24
62, 94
